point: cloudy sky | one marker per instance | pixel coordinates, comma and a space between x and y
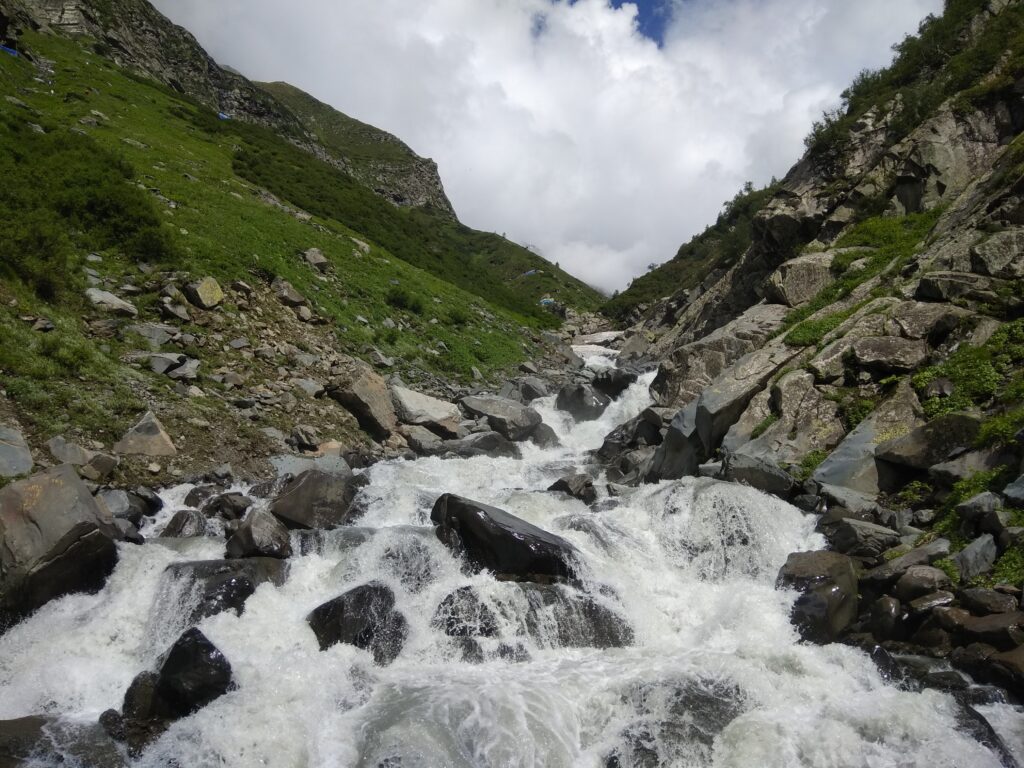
604, 134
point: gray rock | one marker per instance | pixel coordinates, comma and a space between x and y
185, 524
316, 259
147, 438
948, 286
931, 443
582, 401
155, 334
496, 541
579, 486
108, 302
506, 417
422, 440
919, 580
889, 354
1001, 255
482, 444
422, 410
1014, 493
885, 617
260, 535
927, 603
287, 294
205, 293
852, 464
364, 617
545, 437
982, 602
366, 396
224, 585
828, 585
800, 279
187, 371
560, 616
888, 573
978, 506
65, 452
977, 558
54, 539
757, 472
317, 499
15, 455
682, 450
863, 539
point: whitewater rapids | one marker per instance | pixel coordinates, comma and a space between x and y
690, 565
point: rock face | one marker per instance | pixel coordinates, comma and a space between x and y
54, 539
15, 456
828, 583
316, 499
366, 396
508, 418
493, 540
799, 280
147, 438
225, 585
438, 416
364, 617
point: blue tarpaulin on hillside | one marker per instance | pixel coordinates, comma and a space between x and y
11, 51
223, 116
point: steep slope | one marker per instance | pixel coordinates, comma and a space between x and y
864, 357
140, 39
377, 159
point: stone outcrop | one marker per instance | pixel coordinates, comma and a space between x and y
506, 417
54, 539
316, 499
147, 438
365, 617
366, 396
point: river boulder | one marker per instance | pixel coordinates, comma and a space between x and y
364, 617
582, 401
827, 582
224, 585
260, 535
561, 616
185, 524
317, 499
579, 486
440, 417
365, 395
508, 418
494, 540
614, 381
482, 444
54, 539
462, 614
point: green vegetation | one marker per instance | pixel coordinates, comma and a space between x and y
981, 377
1009, 568
854, 406
894, 240
914, 494
948, 567
808, 464
62, 194
946, 57
761, 428
947, 521
717, 247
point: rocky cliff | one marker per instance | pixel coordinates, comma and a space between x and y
863, 357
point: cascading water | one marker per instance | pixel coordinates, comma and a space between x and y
712, 672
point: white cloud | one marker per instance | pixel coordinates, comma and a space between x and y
558, 123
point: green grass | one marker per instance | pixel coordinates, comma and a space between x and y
763, 427
895, 240
981, 376
808, 464
947, 521
96, 192
810, 333
948, 567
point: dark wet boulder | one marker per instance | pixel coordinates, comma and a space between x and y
579, 486
185, 524
982, 602
191, 674
482, 444
582, 401
508, 418
54, 539
260, 535
757, 472
977, 558
364, 617
560, 616
224, 585
43, 740
198, 495
827, 582
919, 581
614, 381
317, 499
493, 540
229, 506
462, 614
545, 437
861, 538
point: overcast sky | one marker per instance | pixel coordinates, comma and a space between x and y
602, 134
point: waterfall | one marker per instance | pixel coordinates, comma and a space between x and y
674, 650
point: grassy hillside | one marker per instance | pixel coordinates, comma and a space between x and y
716, 247
97, 161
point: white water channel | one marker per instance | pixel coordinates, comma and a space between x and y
715, 675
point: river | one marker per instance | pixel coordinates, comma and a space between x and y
715, 674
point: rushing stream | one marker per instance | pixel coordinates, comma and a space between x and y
714, 675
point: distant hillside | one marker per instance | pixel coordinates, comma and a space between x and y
377, 159
717, 247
